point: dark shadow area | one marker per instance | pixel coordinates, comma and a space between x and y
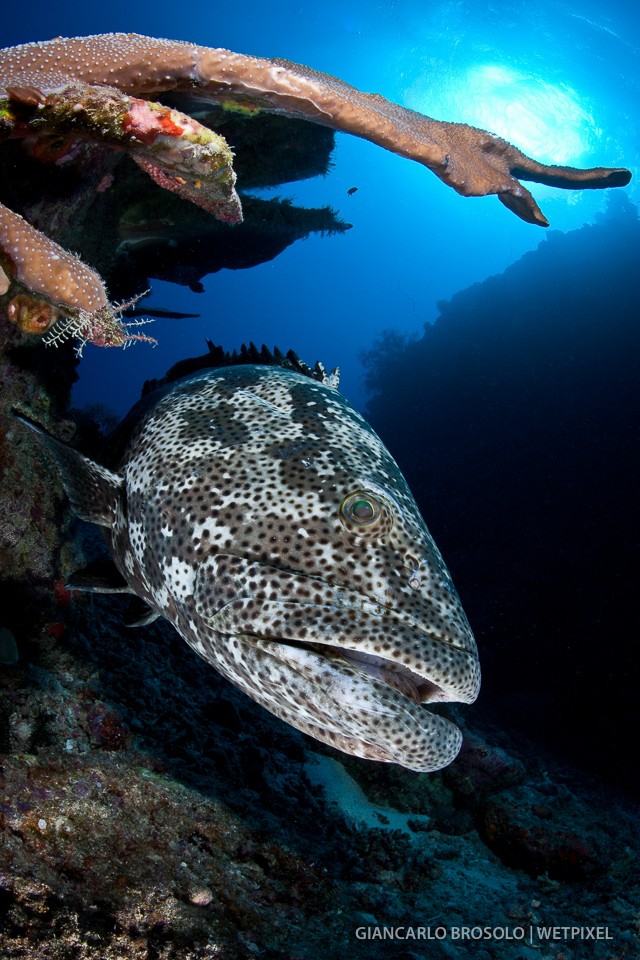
515, 420
98, 203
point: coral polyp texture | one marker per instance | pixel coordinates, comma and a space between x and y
89, 90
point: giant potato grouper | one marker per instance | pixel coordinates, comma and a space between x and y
258, 512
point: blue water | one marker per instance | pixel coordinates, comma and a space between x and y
560, 80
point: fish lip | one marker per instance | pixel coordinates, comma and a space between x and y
337, 596
420, 687
352, 711
446, 673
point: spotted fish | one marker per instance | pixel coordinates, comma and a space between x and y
257, 511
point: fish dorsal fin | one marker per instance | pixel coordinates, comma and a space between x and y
93, 490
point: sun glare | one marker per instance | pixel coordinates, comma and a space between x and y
543, 119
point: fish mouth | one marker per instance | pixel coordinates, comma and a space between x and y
284, 609
360, 703
421, 667
411, 685
337, 665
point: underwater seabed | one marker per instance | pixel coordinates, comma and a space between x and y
150, 809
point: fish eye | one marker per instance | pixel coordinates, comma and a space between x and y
361, 509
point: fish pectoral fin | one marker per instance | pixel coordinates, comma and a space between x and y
140, 613
93, 490
100, 576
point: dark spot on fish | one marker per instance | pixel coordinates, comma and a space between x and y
291, 451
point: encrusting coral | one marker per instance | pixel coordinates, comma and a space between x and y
46, 271
88, 89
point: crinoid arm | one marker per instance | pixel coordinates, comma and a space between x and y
103, 328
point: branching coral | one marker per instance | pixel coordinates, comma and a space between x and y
89, 88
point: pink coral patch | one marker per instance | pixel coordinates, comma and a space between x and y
147, 124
